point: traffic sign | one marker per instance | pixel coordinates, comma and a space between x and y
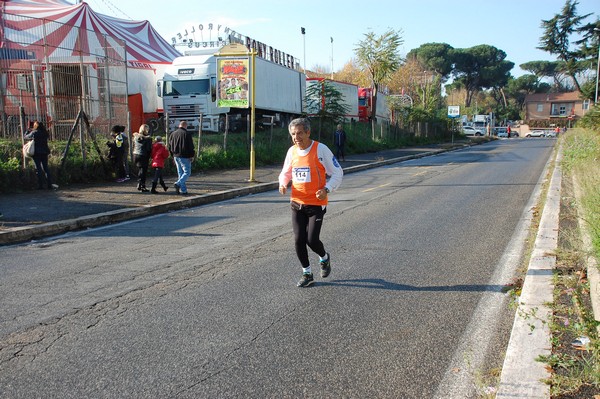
453, 111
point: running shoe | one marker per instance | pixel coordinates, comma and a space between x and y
326, 266
306, 280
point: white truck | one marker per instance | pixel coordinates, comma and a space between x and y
189, 89
480, 123
348, 91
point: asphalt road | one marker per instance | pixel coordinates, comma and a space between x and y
202, 302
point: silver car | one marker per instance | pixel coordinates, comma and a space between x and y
470, 131
501, 132
536, 133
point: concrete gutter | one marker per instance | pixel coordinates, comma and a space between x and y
522, 375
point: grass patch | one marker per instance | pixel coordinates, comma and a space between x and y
576, 368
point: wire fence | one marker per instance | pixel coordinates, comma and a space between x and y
51, 71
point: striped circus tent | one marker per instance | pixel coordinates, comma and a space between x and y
142, 41
54, 54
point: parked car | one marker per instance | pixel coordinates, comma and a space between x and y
501, 132
551, 134
536, 133
470, 131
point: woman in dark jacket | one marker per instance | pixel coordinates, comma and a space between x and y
39, 135
142, 148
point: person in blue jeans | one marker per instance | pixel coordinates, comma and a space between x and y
181, 148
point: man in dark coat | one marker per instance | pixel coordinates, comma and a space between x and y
181, 148
339, 140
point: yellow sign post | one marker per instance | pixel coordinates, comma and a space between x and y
233, 91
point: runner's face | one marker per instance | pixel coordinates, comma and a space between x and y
300, 137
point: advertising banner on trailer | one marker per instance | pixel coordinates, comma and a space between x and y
233, 77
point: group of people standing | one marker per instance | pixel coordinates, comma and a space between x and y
148, 154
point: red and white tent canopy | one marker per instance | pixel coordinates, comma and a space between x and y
143, 43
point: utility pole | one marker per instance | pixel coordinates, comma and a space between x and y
303, 31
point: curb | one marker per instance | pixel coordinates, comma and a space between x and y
27, 233
521, 374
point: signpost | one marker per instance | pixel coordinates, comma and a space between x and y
453, 113
235, 80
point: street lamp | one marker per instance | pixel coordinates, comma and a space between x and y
303, 31
331, 57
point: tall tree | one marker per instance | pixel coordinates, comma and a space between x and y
407, 79
480, 67
434, 57
351, 73
547, 69
378, 56
556, 38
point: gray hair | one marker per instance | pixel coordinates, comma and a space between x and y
304, 122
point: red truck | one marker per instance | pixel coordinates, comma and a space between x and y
365, 105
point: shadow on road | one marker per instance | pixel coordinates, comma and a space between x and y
380, 284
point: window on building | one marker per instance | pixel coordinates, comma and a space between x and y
586, 105
540, 107
561, 109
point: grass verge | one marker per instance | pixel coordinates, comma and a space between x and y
575, 357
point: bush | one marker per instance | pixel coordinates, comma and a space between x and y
591, 120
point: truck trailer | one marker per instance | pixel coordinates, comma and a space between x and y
349, 93
189, 90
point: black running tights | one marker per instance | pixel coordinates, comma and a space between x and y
307, 223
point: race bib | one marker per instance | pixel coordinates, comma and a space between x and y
301, 174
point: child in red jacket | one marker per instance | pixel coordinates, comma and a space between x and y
159, 155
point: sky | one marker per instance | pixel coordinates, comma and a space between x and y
513, 26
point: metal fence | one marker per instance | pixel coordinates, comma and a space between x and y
51, 71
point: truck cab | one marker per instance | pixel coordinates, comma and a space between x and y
188, 90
